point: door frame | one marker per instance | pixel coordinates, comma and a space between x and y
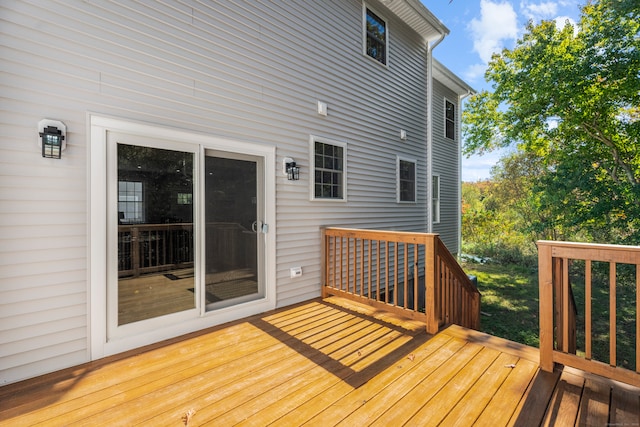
101, 344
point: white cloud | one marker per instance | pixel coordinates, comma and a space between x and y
475, 72
561, 21
539, 11
497, 23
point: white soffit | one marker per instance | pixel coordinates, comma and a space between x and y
418, 17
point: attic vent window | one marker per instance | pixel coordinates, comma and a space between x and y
376, 37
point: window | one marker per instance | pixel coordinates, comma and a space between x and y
375, 37
185, 198
435, 198
406, 184
329, 169
449, 120
130, 202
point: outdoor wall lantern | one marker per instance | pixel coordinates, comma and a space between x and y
52, 138
290, 169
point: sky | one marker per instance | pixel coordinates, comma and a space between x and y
478, 28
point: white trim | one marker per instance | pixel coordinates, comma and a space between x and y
364, 35
415, 179
191, 320
312, 168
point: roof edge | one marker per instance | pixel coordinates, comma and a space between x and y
417, 16
450, 79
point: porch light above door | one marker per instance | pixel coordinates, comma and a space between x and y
52, 138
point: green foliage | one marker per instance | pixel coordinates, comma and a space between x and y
568, 99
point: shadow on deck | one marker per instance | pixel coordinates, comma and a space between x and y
322, 362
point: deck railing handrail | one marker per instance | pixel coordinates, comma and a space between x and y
405, 272
558, 311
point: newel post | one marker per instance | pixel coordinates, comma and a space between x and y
323, 262
545, 283
430, 282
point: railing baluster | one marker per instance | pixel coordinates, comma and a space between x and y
587, 308
361, 266
612, 314
396, 283
416, 278
370, 249
406, 276
386, 270
565, 305
378, 267
637, 318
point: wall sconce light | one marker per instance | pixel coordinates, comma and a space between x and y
290, 169
403, 134
52, 138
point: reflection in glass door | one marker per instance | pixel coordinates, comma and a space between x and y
155, 232
234, 231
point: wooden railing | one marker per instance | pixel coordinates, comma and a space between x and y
147, 248
152, 248
560, 271
409, 273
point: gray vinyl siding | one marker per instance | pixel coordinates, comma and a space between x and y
446, 163
240, 70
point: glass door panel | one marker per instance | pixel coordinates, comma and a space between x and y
233, 206
155, 232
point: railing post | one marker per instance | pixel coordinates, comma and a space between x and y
545, 278
430, 282
135, 251
324, 262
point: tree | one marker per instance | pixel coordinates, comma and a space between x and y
571, 98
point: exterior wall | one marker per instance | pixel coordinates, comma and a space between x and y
446, 163
244, 71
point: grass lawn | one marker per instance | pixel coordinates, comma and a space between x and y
509, 302
509, 307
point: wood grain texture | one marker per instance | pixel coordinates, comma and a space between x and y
322, 362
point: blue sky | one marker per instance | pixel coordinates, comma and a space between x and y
478, 29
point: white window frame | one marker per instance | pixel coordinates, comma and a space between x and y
398, 181
455, 119
312, 173
366, 8
435, 198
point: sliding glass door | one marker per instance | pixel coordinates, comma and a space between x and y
234, 231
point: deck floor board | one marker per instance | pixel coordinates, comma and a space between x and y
320, 363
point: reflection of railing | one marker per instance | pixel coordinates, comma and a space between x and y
558, 308
148, 248
380, 267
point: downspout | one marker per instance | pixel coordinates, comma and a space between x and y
430, 47
460, 98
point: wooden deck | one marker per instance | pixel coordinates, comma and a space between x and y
321, 363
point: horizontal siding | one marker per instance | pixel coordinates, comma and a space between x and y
239, 70
446, 164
